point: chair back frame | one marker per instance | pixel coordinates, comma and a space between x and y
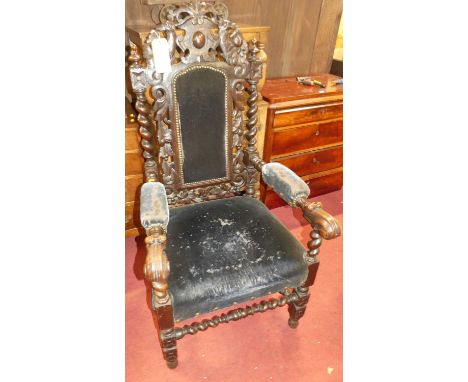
199, 36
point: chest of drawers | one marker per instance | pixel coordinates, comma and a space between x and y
304, 131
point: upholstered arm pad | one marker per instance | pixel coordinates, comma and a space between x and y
285, 182
154, 210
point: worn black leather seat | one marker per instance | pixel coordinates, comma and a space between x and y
227, 251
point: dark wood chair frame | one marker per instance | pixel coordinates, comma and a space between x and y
207, 38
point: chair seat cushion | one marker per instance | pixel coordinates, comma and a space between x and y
227, 251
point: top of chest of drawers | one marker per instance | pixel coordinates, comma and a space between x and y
287, 89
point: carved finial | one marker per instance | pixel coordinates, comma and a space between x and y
255, 62
135, 56
253, 49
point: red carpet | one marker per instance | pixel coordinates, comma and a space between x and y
258, 348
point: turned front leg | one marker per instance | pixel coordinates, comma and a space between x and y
157, 272
323, 226
297, 309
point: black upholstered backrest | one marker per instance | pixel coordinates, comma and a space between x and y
202, 122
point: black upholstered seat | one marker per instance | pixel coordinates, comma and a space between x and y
228, 251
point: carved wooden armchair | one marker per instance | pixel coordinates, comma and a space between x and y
210, 243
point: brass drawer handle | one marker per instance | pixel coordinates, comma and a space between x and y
315, 160
309, 107
317, 132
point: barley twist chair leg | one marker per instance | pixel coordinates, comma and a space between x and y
297, 308
323, 226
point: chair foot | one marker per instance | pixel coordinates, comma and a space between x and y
293, 324
297, 309
169, 348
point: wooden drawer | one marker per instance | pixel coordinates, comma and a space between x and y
133, 163
298, 138
314, 161
319, 184
132, 218
133, 185
325, 182
132, 138
306, 114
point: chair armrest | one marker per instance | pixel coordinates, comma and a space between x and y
323, 226
154, 210
285, 182
294, 191
320, 220
154, 216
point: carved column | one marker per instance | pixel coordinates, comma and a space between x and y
143, 108
255, 74
312, 255
297, 309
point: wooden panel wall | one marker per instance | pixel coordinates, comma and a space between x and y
302, 36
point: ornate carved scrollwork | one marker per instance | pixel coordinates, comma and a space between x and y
323, 226
234, 315
201, 194
157, 265
233, 47
164, 133
207, 32
197, 19
194, 10
321, 220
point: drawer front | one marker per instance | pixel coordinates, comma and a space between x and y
328, 182
133, 163
306, 114
314, 161
133, 185
132, 218
132, 139
298, 138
